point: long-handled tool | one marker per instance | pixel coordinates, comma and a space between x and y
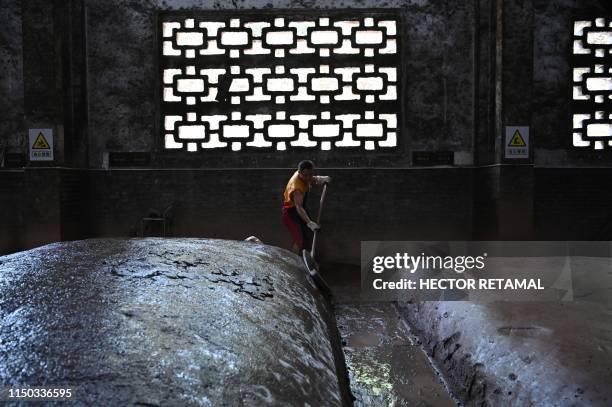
309, 257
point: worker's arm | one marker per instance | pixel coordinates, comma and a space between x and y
322, 179
298, 200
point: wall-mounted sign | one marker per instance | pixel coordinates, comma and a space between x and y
41, 144
432, 158
516, 142
129, 159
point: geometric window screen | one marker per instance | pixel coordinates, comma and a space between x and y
280, 81
592, 83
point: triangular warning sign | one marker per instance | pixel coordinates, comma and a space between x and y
40, 143
517, 140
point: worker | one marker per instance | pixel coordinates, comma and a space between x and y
295, 215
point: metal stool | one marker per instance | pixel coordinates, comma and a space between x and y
164, 219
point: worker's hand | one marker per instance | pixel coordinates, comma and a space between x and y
324, 179
313, 226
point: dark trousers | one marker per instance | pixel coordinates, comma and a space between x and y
300, 232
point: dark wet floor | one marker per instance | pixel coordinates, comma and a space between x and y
386, 365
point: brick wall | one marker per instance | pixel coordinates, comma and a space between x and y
362, 204
11, 192
39, 206
74, 204
573, 204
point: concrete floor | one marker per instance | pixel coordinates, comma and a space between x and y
386, 365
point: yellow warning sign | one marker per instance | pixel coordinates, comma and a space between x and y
517, 140
40, 143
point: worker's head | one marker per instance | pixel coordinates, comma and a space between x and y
306, 170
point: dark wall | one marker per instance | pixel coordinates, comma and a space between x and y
29, 208
573, 204
11, 77
552, 82
42, 85
75, 204
119, 41
486, 201
443, 52
40, 206
361, 204
11, 219
438, 77
461, 82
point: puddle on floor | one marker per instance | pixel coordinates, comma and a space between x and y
386, 366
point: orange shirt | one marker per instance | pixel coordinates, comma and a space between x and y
294, 184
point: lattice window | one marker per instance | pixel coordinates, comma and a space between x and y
279, 81
592, 89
